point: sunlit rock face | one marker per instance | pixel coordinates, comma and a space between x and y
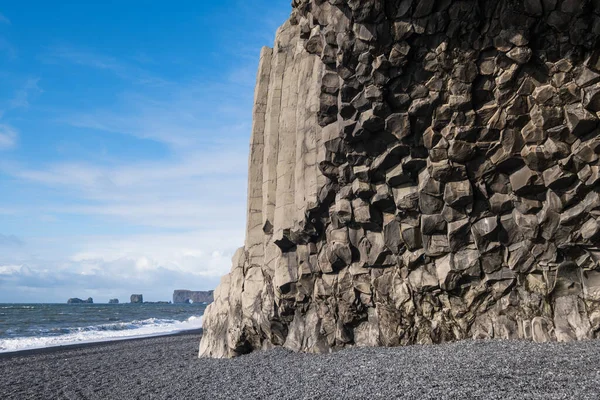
420, 172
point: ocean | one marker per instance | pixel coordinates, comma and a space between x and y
33, 326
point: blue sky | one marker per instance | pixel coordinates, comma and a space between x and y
124, 130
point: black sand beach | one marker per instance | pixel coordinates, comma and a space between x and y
168, 368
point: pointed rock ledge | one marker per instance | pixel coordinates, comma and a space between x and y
420, 172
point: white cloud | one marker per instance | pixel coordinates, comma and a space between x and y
9, 269
8, 134
8, 137
202, 253
194, 197
116, 266
4, 20
198, 190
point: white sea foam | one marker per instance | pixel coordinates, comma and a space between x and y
103, 333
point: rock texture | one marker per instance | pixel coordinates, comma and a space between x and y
76, 300
421, 171
113, 301
189, 296
136, 299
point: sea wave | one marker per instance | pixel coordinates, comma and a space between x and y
101, 333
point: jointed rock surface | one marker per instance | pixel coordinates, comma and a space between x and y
420, 172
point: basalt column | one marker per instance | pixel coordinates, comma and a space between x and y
420, 171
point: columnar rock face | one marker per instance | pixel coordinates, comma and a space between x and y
187, 296
421, 171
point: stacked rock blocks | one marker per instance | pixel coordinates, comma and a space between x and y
458, 181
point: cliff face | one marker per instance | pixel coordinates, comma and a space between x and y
420, 172
136, 299
185, 296
76, 300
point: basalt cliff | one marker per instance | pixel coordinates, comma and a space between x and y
421, 171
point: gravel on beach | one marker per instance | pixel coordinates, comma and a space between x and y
168, 368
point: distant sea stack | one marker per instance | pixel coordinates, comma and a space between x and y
113, 301
189, 296
420, 172
76, 300
136, 299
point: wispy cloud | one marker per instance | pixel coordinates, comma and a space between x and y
4, 20
8, 137
200, 190
185, 115
22, 96
200, 182
20, 100
119, 67
10, 240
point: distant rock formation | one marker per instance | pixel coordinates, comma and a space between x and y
76, 300
189, 296
137, 299
113, 301
420, 172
